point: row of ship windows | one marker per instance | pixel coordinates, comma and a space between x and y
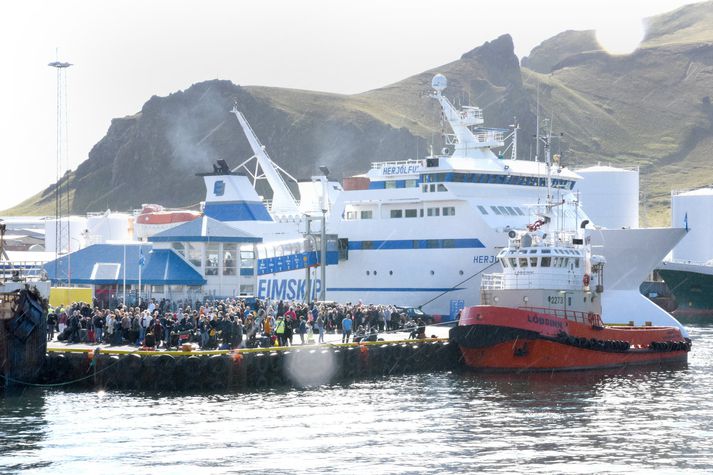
471, 178
503, 210
405, 213
543, 261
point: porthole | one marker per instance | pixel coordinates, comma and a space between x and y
374, 272
460, 272
432, 272
367, 272
391, 272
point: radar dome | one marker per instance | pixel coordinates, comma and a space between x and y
439, 82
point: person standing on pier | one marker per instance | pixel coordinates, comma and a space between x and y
346, 328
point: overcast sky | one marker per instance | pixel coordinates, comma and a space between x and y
126, 51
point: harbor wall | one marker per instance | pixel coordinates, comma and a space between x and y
246, 369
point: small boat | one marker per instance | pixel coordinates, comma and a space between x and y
544, 311
155, 218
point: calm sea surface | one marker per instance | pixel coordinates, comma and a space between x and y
636, 421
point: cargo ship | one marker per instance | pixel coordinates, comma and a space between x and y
688, 272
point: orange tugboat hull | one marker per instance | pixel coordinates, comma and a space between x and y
508, 339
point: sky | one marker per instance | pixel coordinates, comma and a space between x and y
124, 52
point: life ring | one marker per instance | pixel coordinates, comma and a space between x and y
585, 280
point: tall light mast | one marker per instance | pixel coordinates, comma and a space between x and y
62, 150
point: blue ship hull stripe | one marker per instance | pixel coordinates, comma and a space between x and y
416, 244
392, 289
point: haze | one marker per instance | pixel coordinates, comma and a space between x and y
125, 52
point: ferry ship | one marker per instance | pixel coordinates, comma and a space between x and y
418, 232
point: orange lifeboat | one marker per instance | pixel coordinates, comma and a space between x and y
155, 218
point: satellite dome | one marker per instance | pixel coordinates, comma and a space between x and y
439, 82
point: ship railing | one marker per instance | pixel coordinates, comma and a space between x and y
395, 163
571, 315
489, 135
500, 281
689, 261
21, 271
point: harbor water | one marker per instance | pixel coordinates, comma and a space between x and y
634, 421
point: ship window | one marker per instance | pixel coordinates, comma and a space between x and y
449, 243
351, 214
396, 213
433, 211
442, 187
410, 183
519, 211
563, 262
504, 262
411, 213
432, 243
533, 251
533, 262
482, 209
421, 212
511, 211
449, 211
545, 261
496, 210
431, 188
512, 262
367, 214
424, 188
576, 262
390, 184
503, 210
545, 251
522, 262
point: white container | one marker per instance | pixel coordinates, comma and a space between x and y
110, 227
72, 231
610, 196
695, 208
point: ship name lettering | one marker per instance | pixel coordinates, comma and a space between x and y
544, 321
483, 259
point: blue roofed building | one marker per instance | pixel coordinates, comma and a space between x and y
223, 254
117, 270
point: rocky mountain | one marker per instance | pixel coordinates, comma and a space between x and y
650, 109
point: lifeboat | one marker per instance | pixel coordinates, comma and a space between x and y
155, 218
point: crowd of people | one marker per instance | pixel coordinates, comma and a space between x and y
225, 324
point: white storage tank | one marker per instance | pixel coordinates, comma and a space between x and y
72, 232
610, 196
695, 208
110, 227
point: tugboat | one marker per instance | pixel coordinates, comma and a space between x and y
544, 311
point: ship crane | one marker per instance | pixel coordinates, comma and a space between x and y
283, 201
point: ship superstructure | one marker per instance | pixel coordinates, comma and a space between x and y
421, 232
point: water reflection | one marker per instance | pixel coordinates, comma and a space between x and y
611, 421
23, 429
